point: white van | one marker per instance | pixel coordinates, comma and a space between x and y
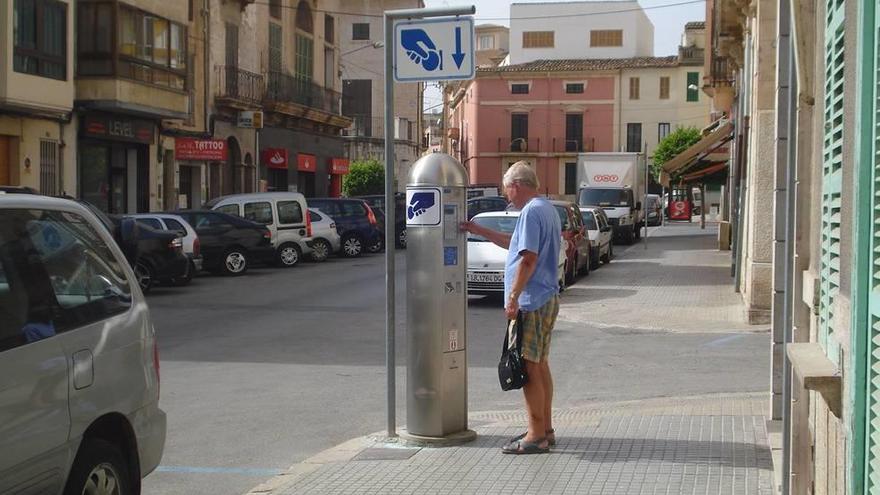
284, 213
79, 366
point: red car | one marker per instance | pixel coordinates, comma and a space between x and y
577, 250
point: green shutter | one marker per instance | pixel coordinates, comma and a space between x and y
693, 79
832, 164
872, 419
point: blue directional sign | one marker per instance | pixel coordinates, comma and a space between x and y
437, 49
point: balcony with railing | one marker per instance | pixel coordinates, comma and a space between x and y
238, 88
519, 145
721, 72
691, 55
286, 88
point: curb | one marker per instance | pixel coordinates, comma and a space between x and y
589, 414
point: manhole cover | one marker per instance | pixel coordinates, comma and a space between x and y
382, 454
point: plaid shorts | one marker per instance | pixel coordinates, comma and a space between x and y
537, 326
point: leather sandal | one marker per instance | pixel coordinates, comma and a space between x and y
550, 436
520, 447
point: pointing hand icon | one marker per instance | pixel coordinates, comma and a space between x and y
419, 203
420, 48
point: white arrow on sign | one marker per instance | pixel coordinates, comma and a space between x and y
436, 49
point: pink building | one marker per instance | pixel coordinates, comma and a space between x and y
544, 112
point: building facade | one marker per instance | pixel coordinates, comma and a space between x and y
572, 30
493, 44
37, 128
803, 191
363, 88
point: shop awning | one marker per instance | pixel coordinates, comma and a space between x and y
703, 173
705, 152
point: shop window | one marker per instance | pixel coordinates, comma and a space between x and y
40, 38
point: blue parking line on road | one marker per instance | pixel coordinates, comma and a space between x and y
724, 340
219, 470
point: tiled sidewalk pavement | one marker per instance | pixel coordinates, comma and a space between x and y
680, 283
692, 445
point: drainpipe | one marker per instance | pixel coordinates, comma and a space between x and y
785, 16
548, 138
206, 30
619, 109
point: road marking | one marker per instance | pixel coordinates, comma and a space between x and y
724, 340
219, 470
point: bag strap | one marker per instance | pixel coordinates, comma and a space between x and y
519, 331
513, 338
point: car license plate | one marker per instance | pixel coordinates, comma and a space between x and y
486, 277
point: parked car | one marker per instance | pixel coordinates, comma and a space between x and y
486, 260
159, 255
325, 239
577, 240
378, 201
79, 364
230, 244
355, 221
189, 238
600, 232
654, 210
283, 213
482, 204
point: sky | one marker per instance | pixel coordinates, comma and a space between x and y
668, 23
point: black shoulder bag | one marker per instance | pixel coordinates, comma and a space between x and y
512, 368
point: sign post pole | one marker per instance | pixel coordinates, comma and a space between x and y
390, 238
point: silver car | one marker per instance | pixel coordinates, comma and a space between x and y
79, 369
325, 238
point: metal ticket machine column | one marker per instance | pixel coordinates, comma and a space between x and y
436, 309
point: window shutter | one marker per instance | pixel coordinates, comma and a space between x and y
872, 423
832, 160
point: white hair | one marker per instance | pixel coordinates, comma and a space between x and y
522, 173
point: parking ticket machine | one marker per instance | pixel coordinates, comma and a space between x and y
436, 314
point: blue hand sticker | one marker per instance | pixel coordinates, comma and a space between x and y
419, 203
421, 49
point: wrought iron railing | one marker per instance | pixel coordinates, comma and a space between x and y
286, 88
239, 84
519, 144
722, 71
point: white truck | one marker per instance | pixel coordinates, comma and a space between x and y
615, 182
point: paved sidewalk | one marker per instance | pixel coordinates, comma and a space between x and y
713, 444
693, 445
680, 283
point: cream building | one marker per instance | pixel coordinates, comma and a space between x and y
37, 136
657, 100
363, 89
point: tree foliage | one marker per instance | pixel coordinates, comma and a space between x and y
674, 143
364, 177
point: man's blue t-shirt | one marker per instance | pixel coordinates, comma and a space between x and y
537, 230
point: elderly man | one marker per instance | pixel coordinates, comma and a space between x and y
530, 287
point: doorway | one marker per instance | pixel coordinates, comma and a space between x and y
5, 165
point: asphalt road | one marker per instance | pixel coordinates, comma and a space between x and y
266, 370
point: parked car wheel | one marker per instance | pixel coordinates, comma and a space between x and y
352, 246
235, 262
143, 272
320, 250
401, 239
570, 272
594, 258
376, 246
99, 469
186, 278
288, 255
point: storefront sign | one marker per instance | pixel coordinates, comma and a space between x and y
306, 163
118, 128
275, 157
212, 150
250, 119
339, 166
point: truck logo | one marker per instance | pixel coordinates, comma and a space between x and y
606, 178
